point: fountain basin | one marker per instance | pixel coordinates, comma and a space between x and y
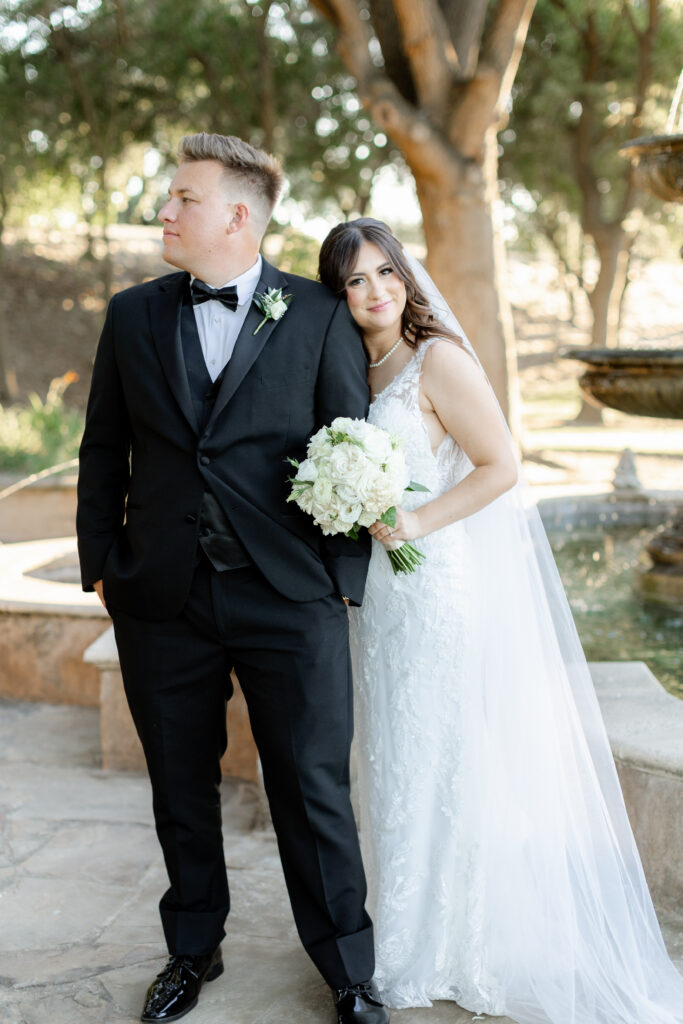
658, 165
643, 382
599, 567
46, 508
47, 626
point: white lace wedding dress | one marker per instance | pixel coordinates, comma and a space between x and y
497, 877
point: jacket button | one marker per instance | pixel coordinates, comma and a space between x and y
205, 460
190, 518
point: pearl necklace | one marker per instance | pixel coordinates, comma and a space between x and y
373, 366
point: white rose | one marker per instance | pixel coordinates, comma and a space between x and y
381, 496
344, 463
307, 471
319, 446
278, 309
322, 490
367, 518
397, 471
344, 425
328, 518
377, 444
305, 501
348, 515
365, 481
356, 429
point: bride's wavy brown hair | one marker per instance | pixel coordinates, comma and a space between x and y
338, 255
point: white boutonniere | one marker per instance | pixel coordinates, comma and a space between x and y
273, 304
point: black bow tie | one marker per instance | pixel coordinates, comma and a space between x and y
203, 292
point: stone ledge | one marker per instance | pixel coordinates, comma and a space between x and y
645, 728
102, 652
23, 594
121, 750
589, 509
44, 508
643, 721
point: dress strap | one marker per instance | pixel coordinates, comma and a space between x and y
422, 350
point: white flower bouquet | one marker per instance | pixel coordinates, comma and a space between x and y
353, 475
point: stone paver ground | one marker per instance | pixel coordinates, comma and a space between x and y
80, 875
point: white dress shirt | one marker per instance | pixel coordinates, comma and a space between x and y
219, 326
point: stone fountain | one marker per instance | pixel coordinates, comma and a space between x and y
648, 382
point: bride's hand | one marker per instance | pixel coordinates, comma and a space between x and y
407, 528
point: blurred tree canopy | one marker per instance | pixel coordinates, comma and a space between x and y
82, 82
592, 76
94, 95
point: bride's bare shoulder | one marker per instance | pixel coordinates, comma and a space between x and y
449, 358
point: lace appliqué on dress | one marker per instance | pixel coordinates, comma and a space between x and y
410, 646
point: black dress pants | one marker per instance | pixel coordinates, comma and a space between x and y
292, 661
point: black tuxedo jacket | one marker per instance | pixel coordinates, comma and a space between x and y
144, 466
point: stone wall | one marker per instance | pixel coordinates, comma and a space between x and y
44, 509
41, 658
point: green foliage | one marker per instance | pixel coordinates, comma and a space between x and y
294, 252
40, 433
581, 62
82, 84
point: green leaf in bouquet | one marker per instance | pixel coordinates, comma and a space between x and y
299, 487
413, 486
389, 517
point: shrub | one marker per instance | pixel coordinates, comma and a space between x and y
40, 433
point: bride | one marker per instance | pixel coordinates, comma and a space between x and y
502, 869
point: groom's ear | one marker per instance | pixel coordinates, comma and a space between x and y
239, 218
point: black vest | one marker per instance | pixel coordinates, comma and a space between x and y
216, 536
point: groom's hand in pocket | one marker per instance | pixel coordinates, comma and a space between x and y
99, 591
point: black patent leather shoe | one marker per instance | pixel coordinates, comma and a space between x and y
360, 1004
175, 991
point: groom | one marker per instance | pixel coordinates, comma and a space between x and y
185, 534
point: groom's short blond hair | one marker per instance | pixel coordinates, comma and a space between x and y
257, 174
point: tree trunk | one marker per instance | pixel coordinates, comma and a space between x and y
604, 300
466, 260
9, 391
627, 266
604, 297
267, 103
106, 271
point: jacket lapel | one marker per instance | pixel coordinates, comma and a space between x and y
249, 346
165, 310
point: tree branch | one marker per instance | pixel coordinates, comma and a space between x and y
430, 52
646, 39
585, 174
628, 14
386, 27
61, 39
424, 148
504, 41
122, 22
354, 37
267, 87
465, 19
483, 99
561, 5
